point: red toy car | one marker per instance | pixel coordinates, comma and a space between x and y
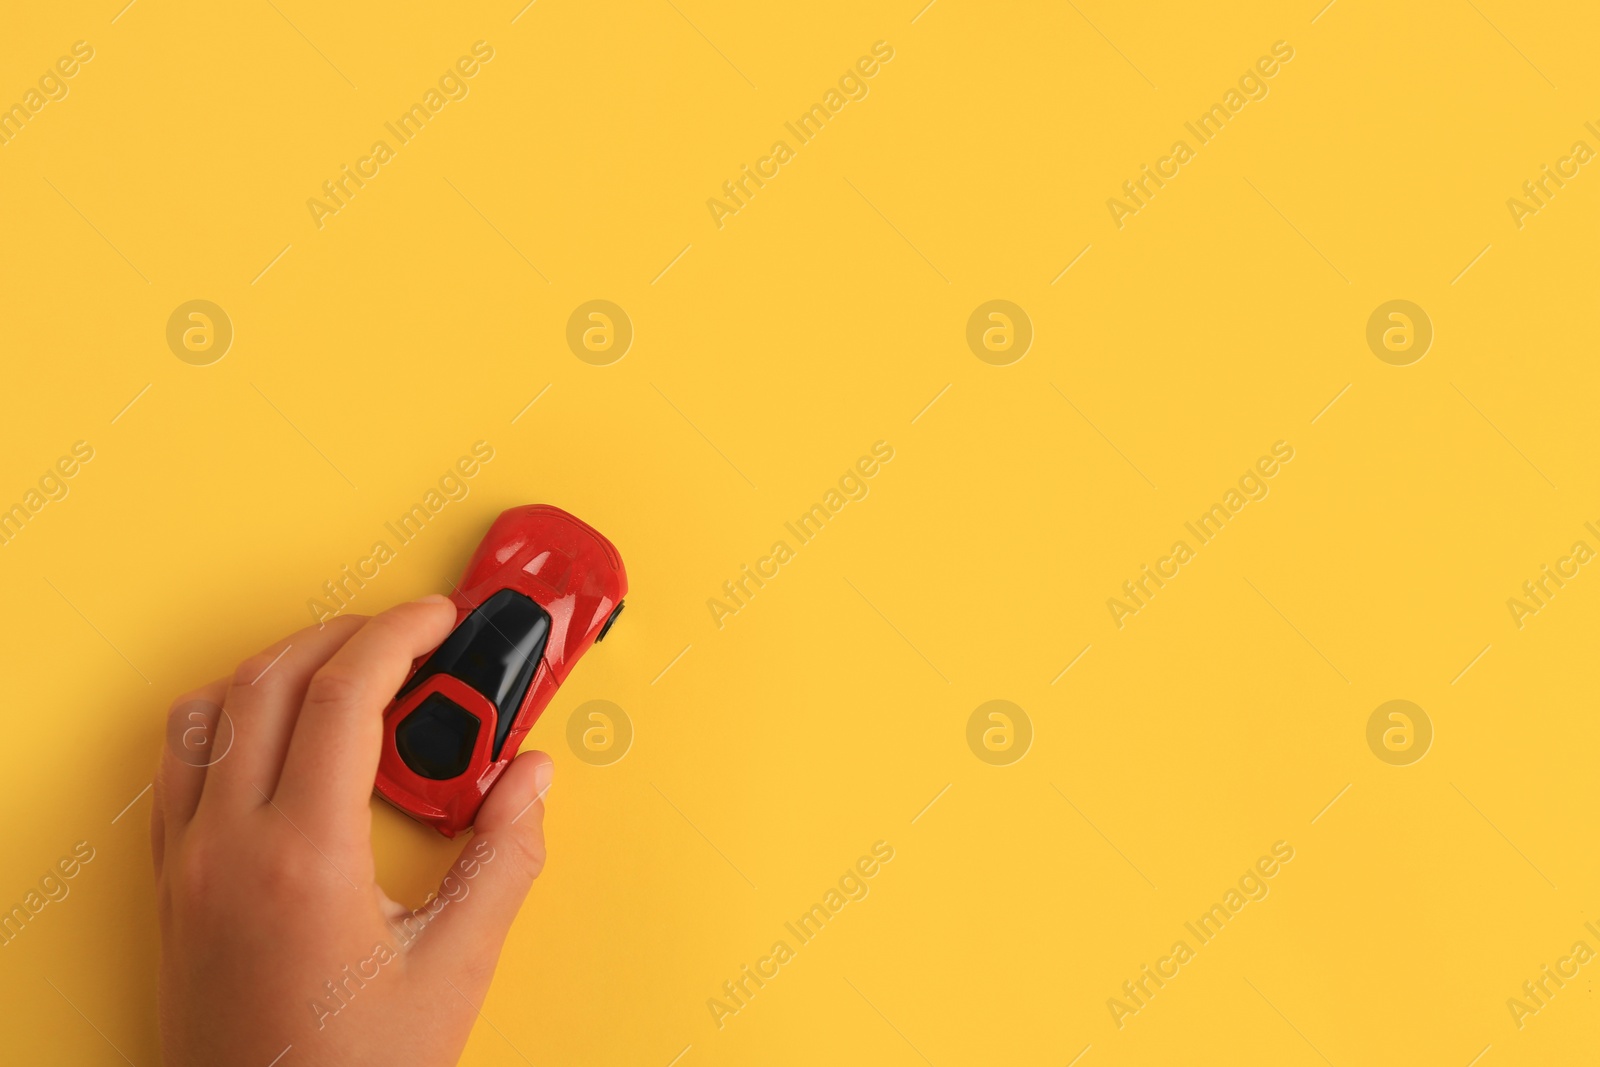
542, 587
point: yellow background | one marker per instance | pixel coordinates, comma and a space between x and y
824, 317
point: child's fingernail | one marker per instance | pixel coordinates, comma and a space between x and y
543, 774
433, 598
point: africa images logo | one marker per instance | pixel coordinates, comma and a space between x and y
1139, 991
1252, 486
852, 85
1252, 85
452, 85
738, 992
740, 590
52, 86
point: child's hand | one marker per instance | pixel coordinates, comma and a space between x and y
273, 933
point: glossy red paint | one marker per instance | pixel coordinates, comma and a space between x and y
573, 573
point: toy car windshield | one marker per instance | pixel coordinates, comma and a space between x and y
496, 651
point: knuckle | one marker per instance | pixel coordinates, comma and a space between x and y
479, 970
341, 626
191, 877
334, 687
285, 880
253, 668
206, 876
525, 854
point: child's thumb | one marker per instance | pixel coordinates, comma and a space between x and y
467, 923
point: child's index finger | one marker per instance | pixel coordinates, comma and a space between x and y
333, 757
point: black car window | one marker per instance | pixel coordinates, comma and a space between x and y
436, 739
495, 650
